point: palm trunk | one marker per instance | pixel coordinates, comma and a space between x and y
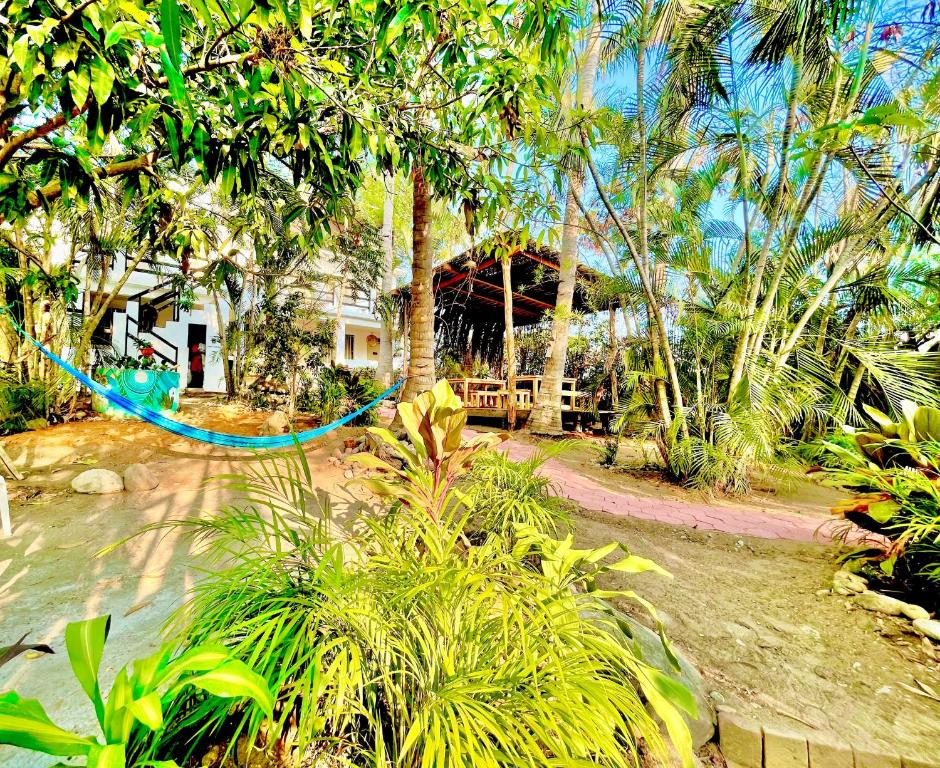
612, 358
659, 384
545, 418
421, 324
386, 334
510, 336
338, 319
744, 337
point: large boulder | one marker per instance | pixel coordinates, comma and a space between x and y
649, 647
276, 424
138, 477
98, 481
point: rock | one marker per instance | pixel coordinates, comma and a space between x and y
717, 697
37, 424
348, 474
891, 606
138, 477
276, 424
928, 628
98, 481
337, 453
78, 415
769, 641
915, 612
650, 649
846, 583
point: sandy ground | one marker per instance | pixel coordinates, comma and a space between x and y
746, 610
49, 574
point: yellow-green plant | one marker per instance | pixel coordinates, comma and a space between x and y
435, 458
137, 700
896, 442
406, 644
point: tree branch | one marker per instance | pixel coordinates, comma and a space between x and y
24, 137
53, 189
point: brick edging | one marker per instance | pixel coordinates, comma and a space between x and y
745, 743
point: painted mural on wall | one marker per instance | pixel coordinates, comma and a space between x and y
158, 390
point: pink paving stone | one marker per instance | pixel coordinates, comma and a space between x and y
590, 494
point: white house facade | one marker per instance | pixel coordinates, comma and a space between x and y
146, 312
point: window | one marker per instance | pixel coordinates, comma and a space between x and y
350, 346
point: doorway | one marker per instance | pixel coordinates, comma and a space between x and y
196, 350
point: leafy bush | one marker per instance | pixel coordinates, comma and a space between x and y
898, 483
20, 403
343, 390
135, 706
503, 494
406, 644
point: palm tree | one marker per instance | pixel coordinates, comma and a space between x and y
545, 418
421, 313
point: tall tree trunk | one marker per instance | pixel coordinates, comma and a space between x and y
338, 333
744, 337
223, 343
421, 323
612, 358
510, 338
545, 418
386, 334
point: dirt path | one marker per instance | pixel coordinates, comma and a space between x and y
749, 615
797, 511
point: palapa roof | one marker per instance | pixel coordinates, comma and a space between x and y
468, 302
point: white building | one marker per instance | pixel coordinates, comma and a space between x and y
146, 312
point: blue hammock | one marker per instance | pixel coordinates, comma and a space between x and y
196, 433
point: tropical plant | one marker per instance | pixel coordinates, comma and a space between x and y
895, 444
435, 458
341, 390
503, 495
135, 706
769, 267
896, 476
407, 644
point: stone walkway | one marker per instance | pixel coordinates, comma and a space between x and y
763, 523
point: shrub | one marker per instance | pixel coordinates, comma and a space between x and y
503, 494
343, 390
21, 403
896, 473
406, 644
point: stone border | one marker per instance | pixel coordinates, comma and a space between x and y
745, 743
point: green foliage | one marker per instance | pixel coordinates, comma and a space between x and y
896, 442
341, 390
502, 494
135, 705
22, 402
435, 458
406, 644
898, 494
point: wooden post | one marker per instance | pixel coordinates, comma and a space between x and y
510, 338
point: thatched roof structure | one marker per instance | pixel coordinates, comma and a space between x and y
469, 307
